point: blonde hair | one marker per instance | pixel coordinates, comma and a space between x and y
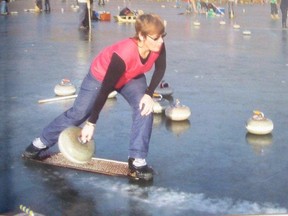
149, 24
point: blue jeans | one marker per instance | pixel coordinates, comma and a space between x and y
133, 91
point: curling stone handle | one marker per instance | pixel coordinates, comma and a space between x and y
81, 141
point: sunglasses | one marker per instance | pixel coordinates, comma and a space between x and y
157, 38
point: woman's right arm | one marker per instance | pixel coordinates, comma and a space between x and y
115, 70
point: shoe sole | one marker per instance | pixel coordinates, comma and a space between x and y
33, 157
133, 175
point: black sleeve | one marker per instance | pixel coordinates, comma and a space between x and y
160, 67
115, 70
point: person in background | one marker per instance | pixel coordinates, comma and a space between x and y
274, 9
284, 8
231, 4
121, 67
191, 5
4, 7
38, 6
101, 2
47, 5
84, 13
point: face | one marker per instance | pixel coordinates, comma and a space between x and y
154, 42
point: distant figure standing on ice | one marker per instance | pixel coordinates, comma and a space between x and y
231, 4
284, 8
47, 5
4, 7
274, 9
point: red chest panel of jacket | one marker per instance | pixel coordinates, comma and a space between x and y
128, 51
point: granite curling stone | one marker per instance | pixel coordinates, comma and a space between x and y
112, 94
259, 124
178, 112
71, 147
65, 88
160, 103
164, 89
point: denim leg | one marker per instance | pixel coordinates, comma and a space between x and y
141, 125
76, 115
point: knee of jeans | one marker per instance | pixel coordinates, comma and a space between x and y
78, 115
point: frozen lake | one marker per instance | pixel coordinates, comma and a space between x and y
205, 166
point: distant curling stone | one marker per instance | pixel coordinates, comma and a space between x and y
65, 88
196, 23
246, 32
164, 89
178, 112
160, 103
236, 26
112, 94
258, 124
75, 7
222, 22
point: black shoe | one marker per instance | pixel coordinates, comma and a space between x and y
140, 173
32, 152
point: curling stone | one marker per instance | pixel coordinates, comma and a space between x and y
160, 103
178, 112
258, 124
236, 26
112, 94
65, 88
71, 147
222, 22
75, 7
246, 32
164, 89
196, 23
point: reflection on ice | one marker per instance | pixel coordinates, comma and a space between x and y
178, 127
259, 142
172, 202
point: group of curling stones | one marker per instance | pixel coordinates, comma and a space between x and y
72, 149
258, 124
176, 111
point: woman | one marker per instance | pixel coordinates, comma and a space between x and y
119, 67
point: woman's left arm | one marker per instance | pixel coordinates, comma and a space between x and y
160, 67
